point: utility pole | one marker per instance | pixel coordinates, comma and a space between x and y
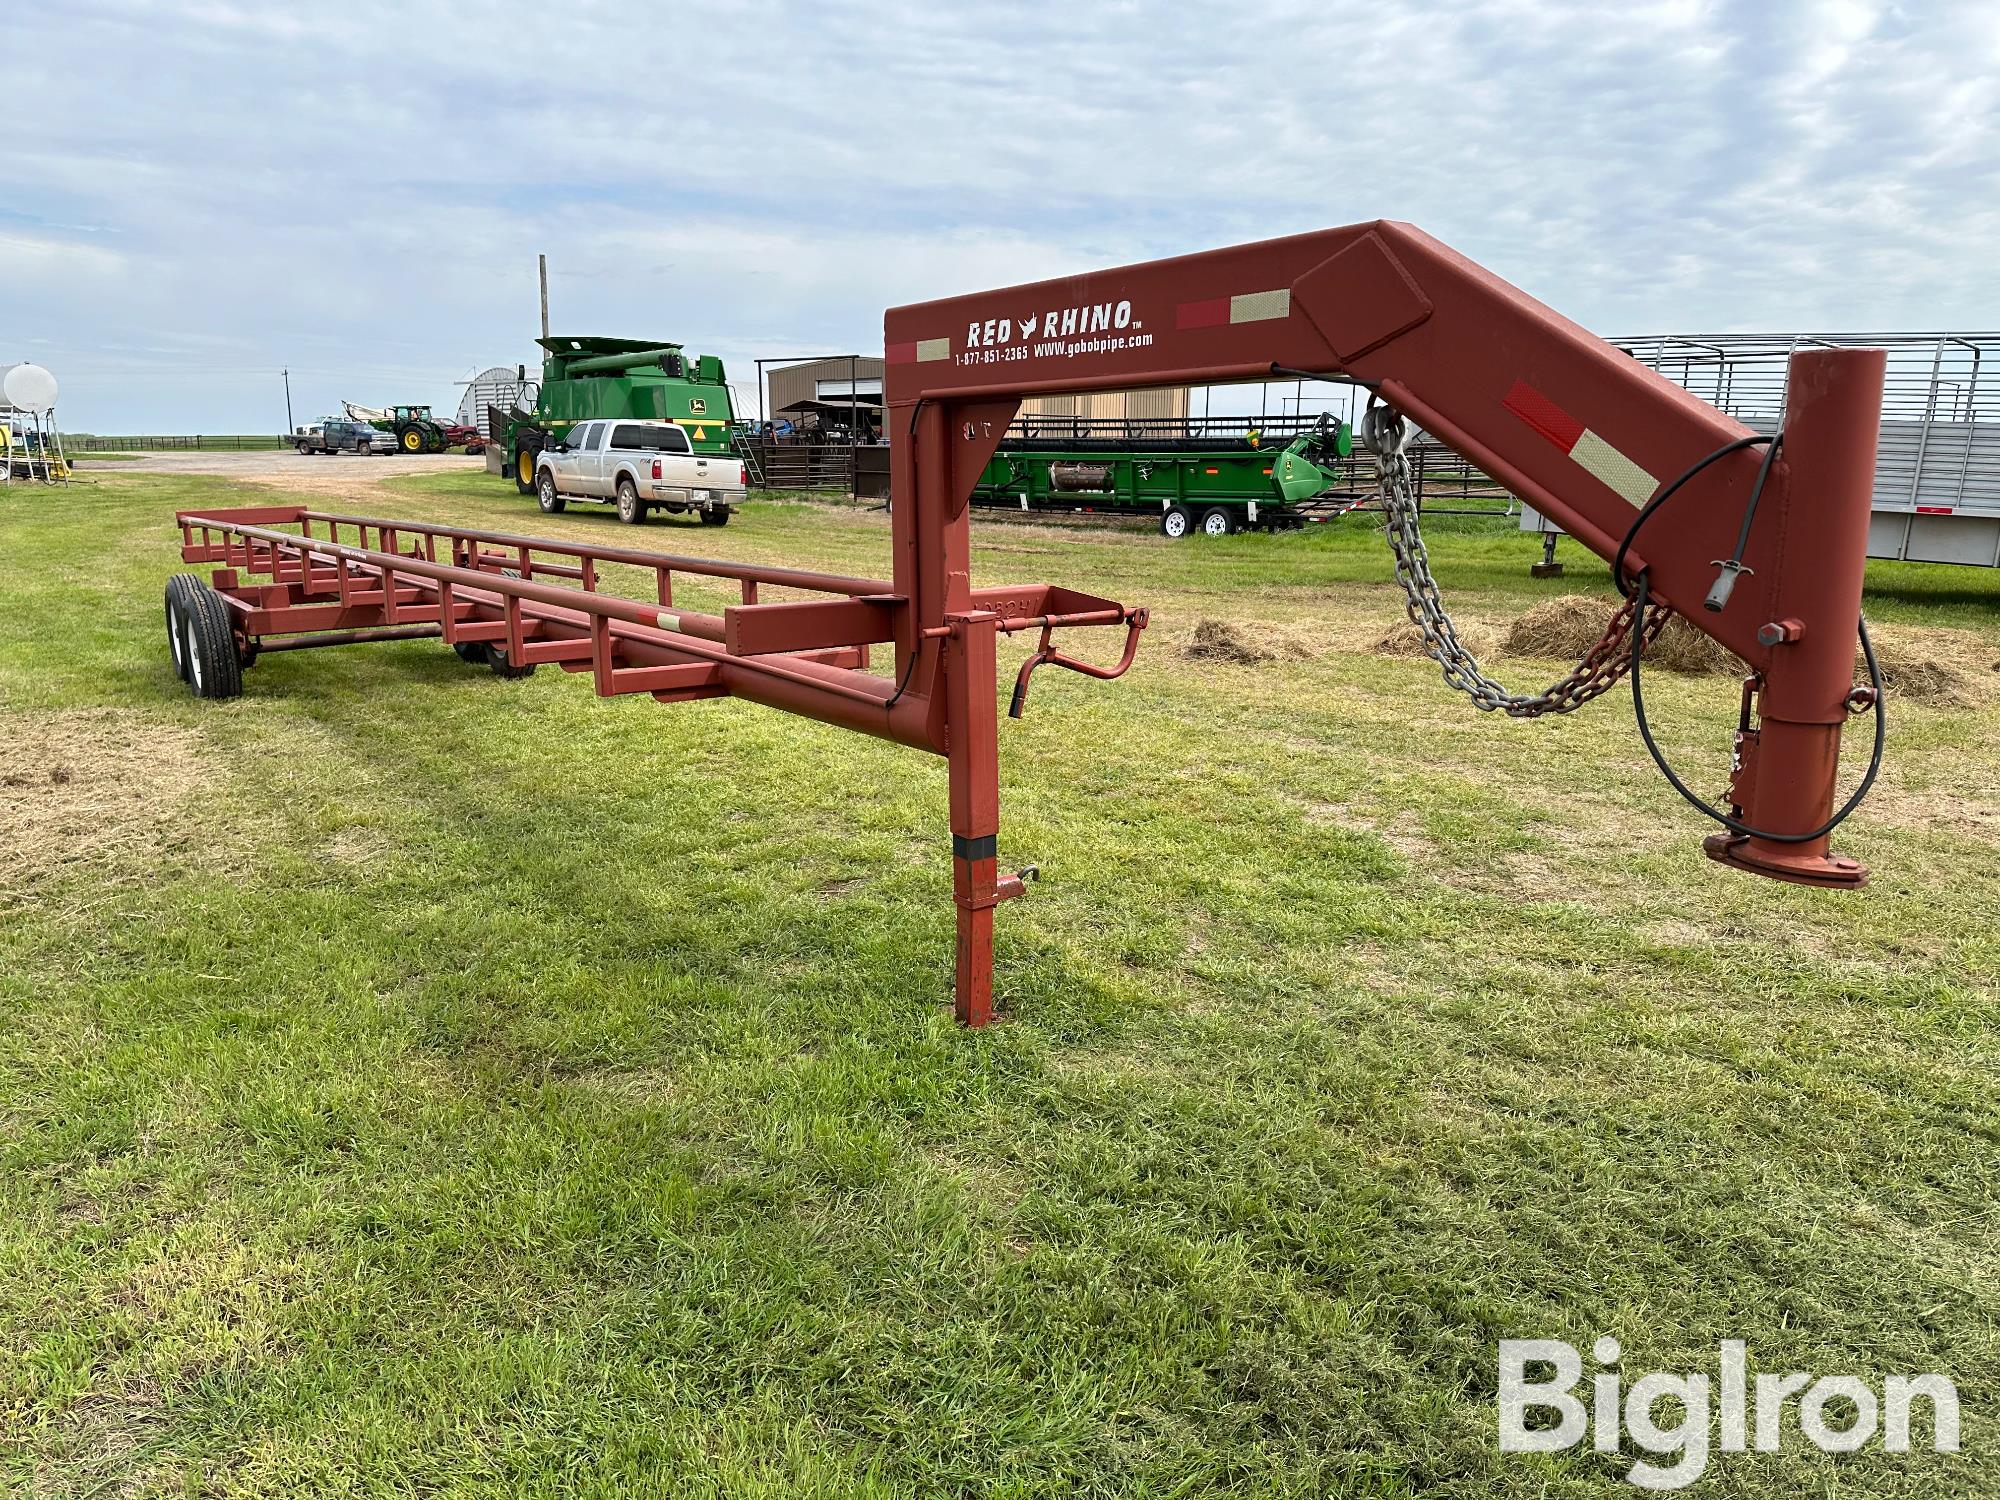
289, 425
542, 263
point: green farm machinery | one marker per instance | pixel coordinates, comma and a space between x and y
414, 428
641, 380
1209, 484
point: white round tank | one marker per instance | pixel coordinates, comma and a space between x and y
27, 387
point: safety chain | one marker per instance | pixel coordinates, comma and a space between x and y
1384, 432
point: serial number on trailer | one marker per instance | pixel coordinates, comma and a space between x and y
1058, 348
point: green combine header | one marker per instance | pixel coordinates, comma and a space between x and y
1211, 485
590, 379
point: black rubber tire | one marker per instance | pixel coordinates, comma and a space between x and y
631, 509
525, 452
410, 438
1209, 522
496, 658
474, 652
177, 588
496, 654
715, 516
1176, 521
434, 442
214, 668
546, 496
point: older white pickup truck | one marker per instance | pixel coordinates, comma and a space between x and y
639, 467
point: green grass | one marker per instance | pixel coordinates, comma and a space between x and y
417, 1083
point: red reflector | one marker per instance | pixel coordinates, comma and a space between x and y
1218, 471
1933, 510
1542, 414
656, 468
1208, 313
1267, 471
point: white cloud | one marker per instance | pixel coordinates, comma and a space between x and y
362, 197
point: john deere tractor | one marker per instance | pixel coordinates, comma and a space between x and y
416, 430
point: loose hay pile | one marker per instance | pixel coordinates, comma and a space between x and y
1944, 668
1227, 641
1404, 639
1567, 627
84, 785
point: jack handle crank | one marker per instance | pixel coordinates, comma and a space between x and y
1133, 619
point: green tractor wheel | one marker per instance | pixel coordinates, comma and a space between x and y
524, 464
411, 438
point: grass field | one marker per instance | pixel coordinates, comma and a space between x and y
416, 1083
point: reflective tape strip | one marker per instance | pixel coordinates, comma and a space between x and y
1258, 307
1617, 471
1596, 457
1245, 307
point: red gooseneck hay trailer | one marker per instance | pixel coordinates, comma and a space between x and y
1580, 431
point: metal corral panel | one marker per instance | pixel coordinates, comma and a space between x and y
1937, 468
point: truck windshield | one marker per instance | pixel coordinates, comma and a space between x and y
649, 438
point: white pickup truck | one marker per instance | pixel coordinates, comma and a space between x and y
639, 467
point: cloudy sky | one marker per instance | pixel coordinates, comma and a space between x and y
199, 194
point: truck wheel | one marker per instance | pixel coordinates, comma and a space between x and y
209, 644
411, 439
524, 468
1175, 522
546, 496
177, 589
715, 515
304, 451
1217, 522
630, 510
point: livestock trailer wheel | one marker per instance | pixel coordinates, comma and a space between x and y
1176, 522
715, 516
177, 589
630, 510
209, 641
496, 658
470, 651
1217, 522
546, 496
